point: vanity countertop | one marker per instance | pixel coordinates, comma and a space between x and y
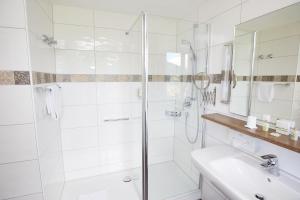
239, 125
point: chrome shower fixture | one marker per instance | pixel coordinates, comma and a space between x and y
49, 40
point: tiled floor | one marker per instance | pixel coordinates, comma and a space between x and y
166, 182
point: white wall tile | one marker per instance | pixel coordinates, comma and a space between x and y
283, 109
255, 8
119, 132
113, 20
79, 116
79, 93
48, 136
38, 20
12, 13
119, 153
13, 49
13, 110
280, 92
182, 155
119, 110
216, 59
77, 138
288, 46
239, 105
162, 25
74, 37
73, 15
17, 143
222, 27
161, 44
103, 169
47, 6
161, 128
17, 176
157, 109
42, 56
117, 63
297, 91
80, 159
162, 91
285, 31
39, 23
75, 62
118, 92
274, 66
116, 40
161, 147
164, 64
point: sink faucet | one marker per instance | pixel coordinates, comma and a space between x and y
271, 164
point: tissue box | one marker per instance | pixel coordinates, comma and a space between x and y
284, 126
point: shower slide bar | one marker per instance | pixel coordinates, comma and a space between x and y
134, 23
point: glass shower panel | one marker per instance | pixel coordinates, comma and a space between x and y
173, 52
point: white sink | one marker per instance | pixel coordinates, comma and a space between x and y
239, 176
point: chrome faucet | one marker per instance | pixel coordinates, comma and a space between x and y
271, 164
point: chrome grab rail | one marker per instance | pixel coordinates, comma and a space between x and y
117, 119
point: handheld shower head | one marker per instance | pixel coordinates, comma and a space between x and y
189, 44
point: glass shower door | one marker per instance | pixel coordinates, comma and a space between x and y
168, 105
172, 108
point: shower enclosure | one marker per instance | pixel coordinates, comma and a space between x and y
172, 95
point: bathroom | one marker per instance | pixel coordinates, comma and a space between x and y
149, 100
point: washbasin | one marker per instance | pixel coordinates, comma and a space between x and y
239, 175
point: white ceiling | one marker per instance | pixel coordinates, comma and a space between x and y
184, 9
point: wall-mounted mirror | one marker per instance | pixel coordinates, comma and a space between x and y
267, 66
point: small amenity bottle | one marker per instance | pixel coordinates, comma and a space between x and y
294, 135
266, 123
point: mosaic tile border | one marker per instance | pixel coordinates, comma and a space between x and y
41, 77
23, 78
14, 78
283, 78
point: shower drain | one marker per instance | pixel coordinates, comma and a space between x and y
259, 196
127, 179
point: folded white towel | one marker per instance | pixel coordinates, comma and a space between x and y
265, 92
54, 102
225, 88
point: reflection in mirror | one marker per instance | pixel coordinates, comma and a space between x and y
275, 69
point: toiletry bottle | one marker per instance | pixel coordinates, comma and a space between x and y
294, 135
266, 123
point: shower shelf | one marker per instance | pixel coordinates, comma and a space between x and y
239, 125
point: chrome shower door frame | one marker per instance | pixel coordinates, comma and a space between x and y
145, 63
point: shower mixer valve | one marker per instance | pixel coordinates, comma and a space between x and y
188, 102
